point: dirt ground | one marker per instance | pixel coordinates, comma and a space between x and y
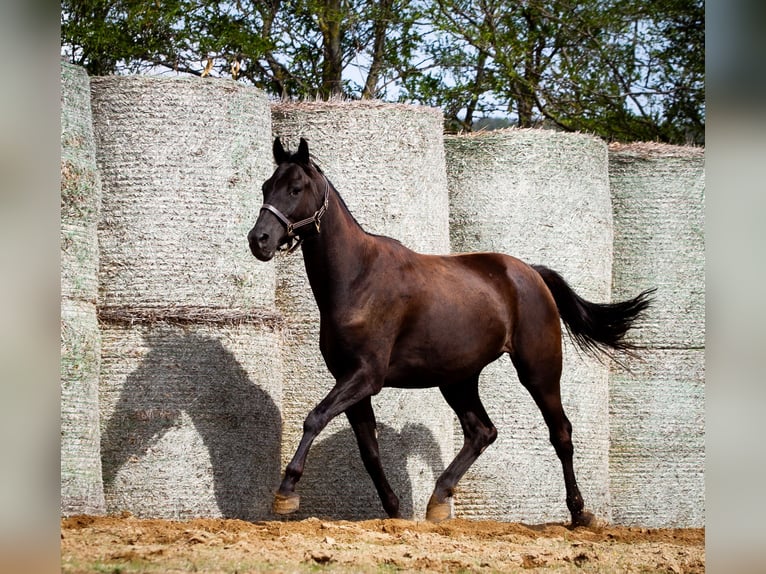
126, 544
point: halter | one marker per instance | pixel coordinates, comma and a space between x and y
291, 227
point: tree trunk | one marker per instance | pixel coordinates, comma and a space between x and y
478, 89
382, 17
332, 61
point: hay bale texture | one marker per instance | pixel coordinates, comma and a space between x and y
387, 161
190, 416
181, 161
80, 188
657, 415
657, 455
658, 193
81, 484
191, 372
81, 480
543, 197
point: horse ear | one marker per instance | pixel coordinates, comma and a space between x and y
302, 156
280, 155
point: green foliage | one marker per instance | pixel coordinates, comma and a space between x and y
623, 69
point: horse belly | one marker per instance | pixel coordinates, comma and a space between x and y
445, 352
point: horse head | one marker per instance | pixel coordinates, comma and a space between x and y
295, 199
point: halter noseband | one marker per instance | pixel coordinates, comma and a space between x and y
291, 227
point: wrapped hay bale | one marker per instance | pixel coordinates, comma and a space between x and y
658, 192
191, 373
81, 483
657, 457
387, 161
80, 188
543, 197
182, 161
657, 415
190, 413
366, 145
81, 487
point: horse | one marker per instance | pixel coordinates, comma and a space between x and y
391, 317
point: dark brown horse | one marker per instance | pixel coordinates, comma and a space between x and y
391, 317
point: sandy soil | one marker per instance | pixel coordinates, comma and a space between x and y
127, 544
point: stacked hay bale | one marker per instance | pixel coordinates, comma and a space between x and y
81, 483
387, 161
190, 374
543, 197
657, 412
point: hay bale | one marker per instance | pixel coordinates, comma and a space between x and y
80, 188
657, 456
81, 483
541, 196
190, 415
387, 161
657, 422
181, 161
658, 192
81, 486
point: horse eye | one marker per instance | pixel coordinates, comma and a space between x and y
296, 190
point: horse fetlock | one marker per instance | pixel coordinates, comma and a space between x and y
575, 503
286, 503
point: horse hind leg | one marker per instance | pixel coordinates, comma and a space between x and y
362, 420
542, 380
478, 433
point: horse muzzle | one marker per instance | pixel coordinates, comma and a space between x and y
262, 244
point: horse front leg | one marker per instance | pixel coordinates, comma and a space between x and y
343, 395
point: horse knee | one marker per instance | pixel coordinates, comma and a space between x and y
313, 424
482, 437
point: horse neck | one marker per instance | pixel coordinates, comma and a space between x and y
336, 256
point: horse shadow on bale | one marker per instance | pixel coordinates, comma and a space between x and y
192, 385
336, 485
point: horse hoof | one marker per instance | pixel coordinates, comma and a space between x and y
438, 511
285, 504
589, 520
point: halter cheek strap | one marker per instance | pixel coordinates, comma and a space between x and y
291, 227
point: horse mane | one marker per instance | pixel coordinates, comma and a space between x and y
313, 164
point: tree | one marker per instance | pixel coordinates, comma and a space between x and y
103, 35
290, 48
625, 70
622, 69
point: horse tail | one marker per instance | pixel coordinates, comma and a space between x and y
597, 328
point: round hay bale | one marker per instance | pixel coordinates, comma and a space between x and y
80, 188
181, 162
541, 196
81, 484
658, 192
387, 161
190, 414
657, 456
657, 423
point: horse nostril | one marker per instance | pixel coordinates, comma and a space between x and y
263, 238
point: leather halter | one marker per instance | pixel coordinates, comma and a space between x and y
292, 227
